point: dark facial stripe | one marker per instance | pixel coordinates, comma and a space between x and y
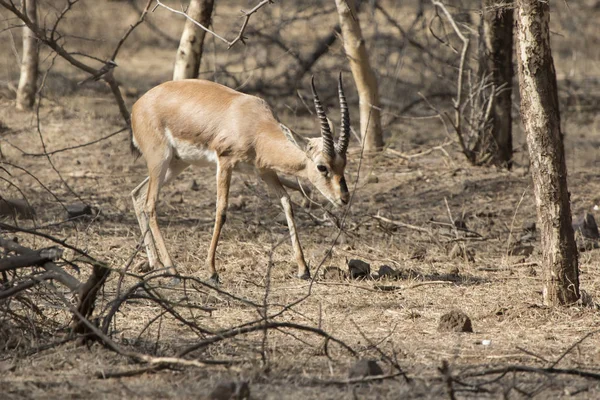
343, 186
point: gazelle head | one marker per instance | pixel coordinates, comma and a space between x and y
327, 158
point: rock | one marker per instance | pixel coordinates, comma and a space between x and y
333, 274
358, 269
587, 226
372, 179
230, 390
195, 187
363, 368
455, 321
78, 210
385, 271
16, 208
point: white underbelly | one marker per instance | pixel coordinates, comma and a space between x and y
191, 153
199, 155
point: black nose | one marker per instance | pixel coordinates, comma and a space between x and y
344, 188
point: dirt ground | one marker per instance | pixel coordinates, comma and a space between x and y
420, 180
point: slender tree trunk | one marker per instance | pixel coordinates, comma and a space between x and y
29, 65
189, 54
366, 83
496, 43
540, 114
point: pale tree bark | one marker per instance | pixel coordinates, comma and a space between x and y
540, 115
29, 64
364, 77
495, 55
189, 54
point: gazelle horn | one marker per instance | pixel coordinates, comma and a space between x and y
328, 147
342, 143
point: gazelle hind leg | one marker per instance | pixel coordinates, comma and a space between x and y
274, 183
161, 174
138, 195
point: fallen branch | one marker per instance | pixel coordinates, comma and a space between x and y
535, 370
30, 259
59, 274
402, 224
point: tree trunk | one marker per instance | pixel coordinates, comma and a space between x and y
189, 54
366, 83
29, 64
495, 55
540, 114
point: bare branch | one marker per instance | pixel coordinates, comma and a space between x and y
239, 38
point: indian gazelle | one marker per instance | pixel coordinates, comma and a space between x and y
197, 122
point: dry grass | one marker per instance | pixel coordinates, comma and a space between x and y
501, 293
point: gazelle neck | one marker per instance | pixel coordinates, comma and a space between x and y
276, 152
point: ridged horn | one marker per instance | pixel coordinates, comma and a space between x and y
342, 143
328, 146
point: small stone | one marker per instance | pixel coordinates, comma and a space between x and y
230, 390
195, 187
77, 210
16, 208
358, 269
333, 274
385, 271
372, 179
455, 321
363, 368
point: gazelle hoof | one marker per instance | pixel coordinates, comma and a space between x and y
305, 276
214, 279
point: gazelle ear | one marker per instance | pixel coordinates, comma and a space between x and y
298, 140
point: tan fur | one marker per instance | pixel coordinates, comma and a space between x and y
186, 122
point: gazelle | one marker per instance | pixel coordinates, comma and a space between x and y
199, 122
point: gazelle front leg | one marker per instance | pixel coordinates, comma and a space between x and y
223, 182
273, 181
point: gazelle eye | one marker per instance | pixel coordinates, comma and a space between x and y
322, 168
